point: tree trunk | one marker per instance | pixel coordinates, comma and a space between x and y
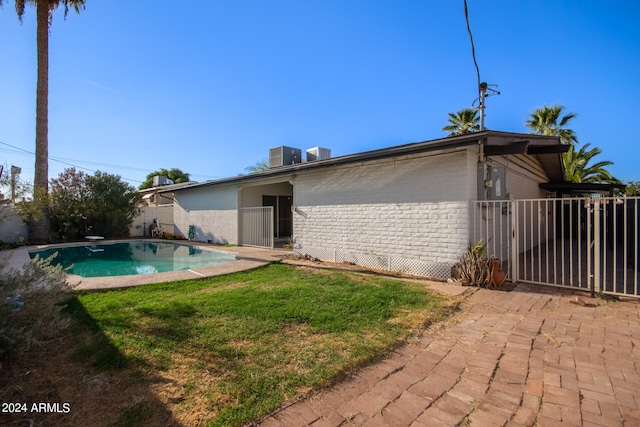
41, 178
39, 230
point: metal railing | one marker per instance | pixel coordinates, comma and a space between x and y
256, 227
587, 243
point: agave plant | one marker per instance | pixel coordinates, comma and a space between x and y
474, 269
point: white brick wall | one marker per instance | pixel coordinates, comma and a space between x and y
412, 208
212, 210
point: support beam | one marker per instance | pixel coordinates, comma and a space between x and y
519, 147
547, 149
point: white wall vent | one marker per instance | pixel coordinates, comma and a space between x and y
284, 156
318, 153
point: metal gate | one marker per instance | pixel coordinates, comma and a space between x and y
586, 243
256, 227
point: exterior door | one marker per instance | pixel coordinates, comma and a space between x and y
282, 217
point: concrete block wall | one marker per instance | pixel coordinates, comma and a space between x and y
141, 223
12, 229
415, 207
213, 212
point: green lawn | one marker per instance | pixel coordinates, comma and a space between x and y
241, 345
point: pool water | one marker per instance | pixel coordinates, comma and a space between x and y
126, 258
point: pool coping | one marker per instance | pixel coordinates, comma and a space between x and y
246, 258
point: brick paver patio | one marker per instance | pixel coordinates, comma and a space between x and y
528, 357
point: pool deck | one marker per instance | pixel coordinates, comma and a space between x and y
247, 258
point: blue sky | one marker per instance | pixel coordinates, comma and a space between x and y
210, 86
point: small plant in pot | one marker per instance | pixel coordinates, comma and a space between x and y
498, 276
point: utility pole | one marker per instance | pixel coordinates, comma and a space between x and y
483, 92
14, 171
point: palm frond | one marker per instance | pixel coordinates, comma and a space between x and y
550, 121
462, 122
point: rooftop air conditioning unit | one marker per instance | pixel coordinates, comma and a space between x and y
284, 156
318, 153
159, 180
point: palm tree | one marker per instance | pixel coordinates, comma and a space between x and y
577, 168
258, 167
550, 121
44, 12
633, 188
462, 122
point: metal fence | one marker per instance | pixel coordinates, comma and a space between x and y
491, 225
256, 227
587, 243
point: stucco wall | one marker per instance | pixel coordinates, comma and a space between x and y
141, 223
252, 196
523, 176
212, 210
11, 227
414, 208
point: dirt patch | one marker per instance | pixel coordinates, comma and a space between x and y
442, 286
69, 393
320, 267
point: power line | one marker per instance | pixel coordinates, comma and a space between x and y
484, 90
100, 164
61, 160
473, 49
73, 162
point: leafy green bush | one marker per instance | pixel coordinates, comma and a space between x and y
100, 204
30, 304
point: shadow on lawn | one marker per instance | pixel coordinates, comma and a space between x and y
84, 379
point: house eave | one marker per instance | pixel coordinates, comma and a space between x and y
488, 138
579, 188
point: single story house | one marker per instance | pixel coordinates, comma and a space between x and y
404, 208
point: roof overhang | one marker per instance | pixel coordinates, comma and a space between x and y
548, 149
524, 147
516, 147
545, 148
577, 188
167, 188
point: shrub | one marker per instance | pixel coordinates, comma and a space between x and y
171, 236
100, 204
30, 304
474, 269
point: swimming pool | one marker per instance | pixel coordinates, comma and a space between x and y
131, 258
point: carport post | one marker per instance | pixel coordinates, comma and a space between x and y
513, 205
596, 243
